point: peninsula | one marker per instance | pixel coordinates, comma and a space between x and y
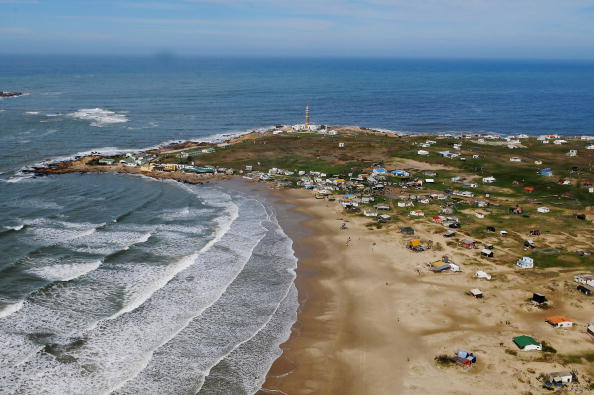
460, 260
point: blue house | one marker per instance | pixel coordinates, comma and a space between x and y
546, 172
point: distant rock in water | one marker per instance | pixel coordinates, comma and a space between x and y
10, 94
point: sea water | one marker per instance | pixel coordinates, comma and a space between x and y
124, 284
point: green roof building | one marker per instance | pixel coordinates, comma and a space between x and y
527, 343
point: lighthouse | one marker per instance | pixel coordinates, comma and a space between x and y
306, 117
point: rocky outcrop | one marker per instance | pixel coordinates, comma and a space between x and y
10, 94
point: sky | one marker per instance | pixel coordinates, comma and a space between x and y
521, 29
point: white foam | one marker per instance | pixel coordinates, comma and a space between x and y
121, 347
32, 112
10, 308
15, 228
64, 271
99, 117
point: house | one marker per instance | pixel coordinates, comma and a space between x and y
515, 159
572, 152
340, 145
559, 142
128, 161
384, 217
487, 253
479, 215
382, 207
587, 279
489, 180
560, 377
417, 213
559, 321
449, 233
526, 343
422, 152
105, 161
369, 213
538, 298
482, 274
400, 173
169, 167
477, 293
538, 162
525, 262
543, 210
416, 245
468, 243
546, 172
585, 289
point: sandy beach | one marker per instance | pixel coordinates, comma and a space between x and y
373, 318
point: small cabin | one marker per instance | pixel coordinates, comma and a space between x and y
538, 298
477, 293
526, 343
467, 243
559, 321
487, 253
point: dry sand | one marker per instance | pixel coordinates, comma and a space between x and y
373, 317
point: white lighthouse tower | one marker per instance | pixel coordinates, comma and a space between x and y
306, 124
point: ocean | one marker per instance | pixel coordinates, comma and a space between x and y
124, 284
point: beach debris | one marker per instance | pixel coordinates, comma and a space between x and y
477, 293
464, 358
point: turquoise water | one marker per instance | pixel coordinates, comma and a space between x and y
114, 283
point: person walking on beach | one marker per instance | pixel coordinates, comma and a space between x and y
348, 241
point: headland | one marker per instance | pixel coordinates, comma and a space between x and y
431, 264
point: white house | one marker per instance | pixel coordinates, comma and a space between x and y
559, 321
590, 146
422, 152
515, 159
340, 145
543, 210
572, 152
561, 377
489, 180
525, 262
559, 142
417, 213
587, 279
